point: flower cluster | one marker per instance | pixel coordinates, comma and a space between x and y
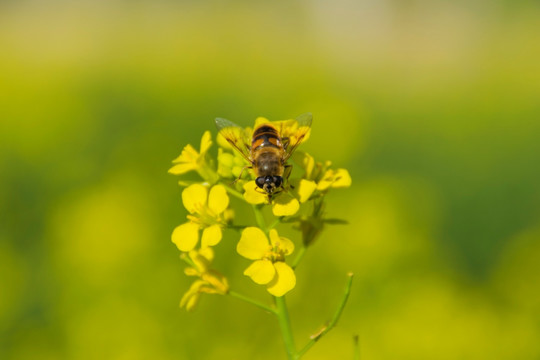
209, 282
299, 202
207, 212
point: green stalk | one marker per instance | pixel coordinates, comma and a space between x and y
233, 192
252, 301
185, 258
285, 326
281, 308
274, 224
314, 338
299, 256
259, 218
356, 347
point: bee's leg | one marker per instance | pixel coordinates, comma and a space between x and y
241, 173
286, 141
286, 173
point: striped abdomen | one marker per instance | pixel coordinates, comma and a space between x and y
267, 151
266, 136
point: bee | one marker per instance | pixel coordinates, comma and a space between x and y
272, 144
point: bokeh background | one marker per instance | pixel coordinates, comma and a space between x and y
433, 106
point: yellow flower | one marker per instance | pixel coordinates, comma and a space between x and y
321, 174
303, 189
209, 282
269, 267
283, 204
207, 211
190, 160
339, 178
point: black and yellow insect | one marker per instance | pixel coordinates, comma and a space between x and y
272, 144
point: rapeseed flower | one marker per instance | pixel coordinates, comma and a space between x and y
207, 212
321, 173
269, 267
193, 160
210, 281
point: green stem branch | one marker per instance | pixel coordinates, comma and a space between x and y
356, 347
326, 328
299, 256
252, 301
274, 224
185, 258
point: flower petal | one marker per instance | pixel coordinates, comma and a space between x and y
206, 142
285, 204
326, 181
281, 242
186, 236
218, 200
342, 178
261, 271
183, 168
303, 189
222, 141
189, 271
194, 197
253, 243
306, 162
211, 236
217, 280
191, 297
284, 281
252, 196
261, 120
189, 154
201, 263
207, 253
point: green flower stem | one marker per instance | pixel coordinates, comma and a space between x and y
274, 224
299, 256
207, 173
281, 308
285, 326
184, 257
259, 218
314, 338
233, 192
356, 348
251, 301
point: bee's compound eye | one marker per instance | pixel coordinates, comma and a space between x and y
278, 180
268, 179
260, 181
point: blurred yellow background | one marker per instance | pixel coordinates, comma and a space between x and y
433, 106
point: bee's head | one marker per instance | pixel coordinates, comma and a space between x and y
269, 183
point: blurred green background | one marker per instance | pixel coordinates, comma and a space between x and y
433, 106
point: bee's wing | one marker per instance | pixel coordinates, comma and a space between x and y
300, 134
234, 135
